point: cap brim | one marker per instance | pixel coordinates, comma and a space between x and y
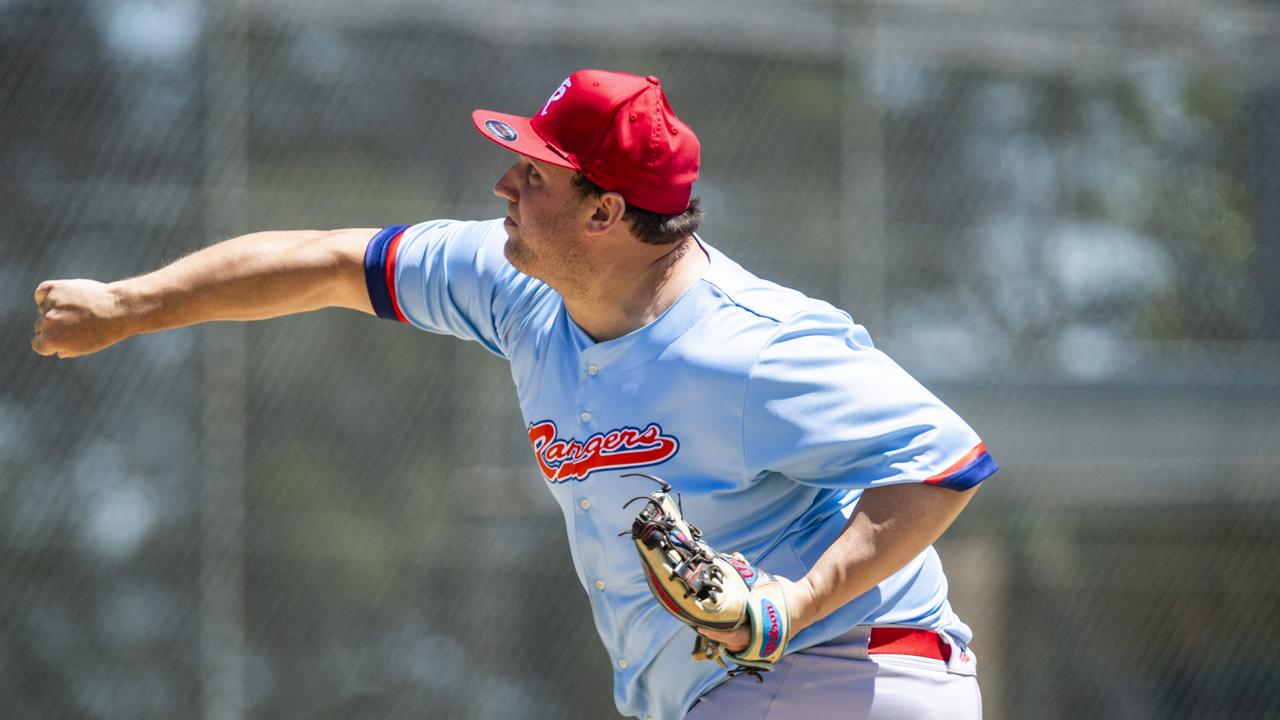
515, 133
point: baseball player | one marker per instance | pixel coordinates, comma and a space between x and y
635, 344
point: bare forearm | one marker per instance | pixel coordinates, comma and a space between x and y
252, 277
890, 526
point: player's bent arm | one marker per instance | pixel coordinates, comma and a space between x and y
891, 524
251, 277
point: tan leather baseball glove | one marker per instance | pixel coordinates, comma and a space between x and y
709, 589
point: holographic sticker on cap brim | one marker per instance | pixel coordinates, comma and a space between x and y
501, 130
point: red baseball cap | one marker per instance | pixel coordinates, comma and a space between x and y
615, 128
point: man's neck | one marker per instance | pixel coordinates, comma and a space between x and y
627, 302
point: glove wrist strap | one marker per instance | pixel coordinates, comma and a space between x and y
770, 621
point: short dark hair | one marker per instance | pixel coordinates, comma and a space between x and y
651, 227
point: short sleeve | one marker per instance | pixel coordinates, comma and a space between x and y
450, 277
825, 408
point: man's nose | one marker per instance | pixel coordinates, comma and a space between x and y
505, 188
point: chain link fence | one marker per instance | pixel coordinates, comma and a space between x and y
1064, 217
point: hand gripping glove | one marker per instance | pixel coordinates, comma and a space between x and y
708, 589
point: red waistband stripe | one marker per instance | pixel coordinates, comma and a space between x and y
908, 641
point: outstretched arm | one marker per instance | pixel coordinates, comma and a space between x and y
890, 525
251, 277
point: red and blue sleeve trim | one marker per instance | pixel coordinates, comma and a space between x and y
976, 466
380, 272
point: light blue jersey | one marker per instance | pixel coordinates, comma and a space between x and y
768, 411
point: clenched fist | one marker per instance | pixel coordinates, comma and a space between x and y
77, 317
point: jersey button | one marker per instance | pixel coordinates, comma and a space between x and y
593, 369
622, 663
599, 584
584, 504
585, 416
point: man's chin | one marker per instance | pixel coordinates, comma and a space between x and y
516, 253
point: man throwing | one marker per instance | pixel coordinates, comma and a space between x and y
634, 343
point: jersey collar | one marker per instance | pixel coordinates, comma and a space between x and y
645, 343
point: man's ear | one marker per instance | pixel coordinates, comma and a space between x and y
608, 212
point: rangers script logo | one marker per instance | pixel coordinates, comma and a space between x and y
564, 460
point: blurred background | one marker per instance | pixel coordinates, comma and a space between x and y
1062, 216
